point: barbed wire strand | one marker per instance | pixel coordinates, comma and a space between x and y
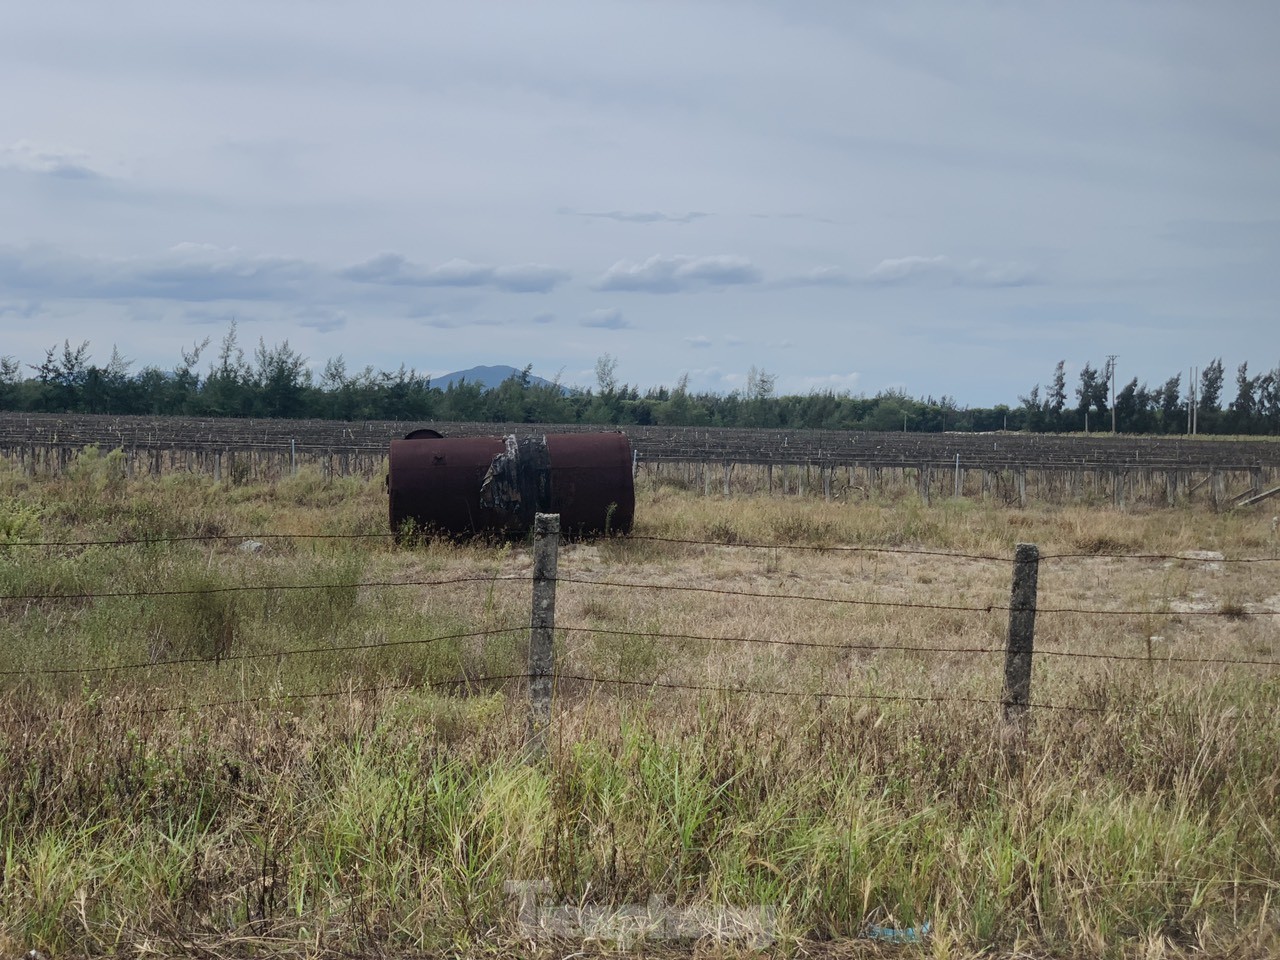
200, 538
911, 648
817, 548
687, 588
217, 660
989, 608
817, 694
749, 545
246, 588
611, 681
334, 694
261, 655
1155, 556
778, 596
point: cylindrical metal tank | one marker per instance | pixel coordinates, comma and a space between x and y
470, 485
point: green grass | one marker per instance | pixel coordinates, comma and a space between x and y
339, 805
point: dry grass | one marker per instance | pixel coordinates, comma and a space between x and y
377, 816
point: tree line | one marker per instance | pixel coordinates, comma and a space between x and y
277, 381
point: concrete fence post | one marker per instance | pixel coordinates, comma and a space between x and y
1021, 641
542, 627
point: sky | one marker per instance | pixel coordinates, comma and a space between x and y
937, 197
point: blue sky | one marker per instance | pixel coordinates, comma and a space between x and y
938, 197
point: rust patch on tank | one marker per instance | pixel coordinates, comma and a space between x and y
476, 485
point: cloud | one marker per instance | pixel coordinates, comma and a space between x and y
322, 319
909, 268
698, 342
663, 273
455, 273
199, 272
792, 216
544, 317
943, 271
819, 277
835, 382
187, 272
734, 341
528, 278
207, 317
27, 157
393, 269
606, 318
639, 216
1242, 234
710, 377
23, 311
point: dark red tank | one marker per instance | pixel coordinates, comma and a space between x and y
474, 485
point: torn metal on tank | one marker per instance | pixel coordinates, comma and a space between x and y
518, 481
495, 485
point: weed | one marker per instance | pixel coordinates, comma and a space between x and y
298, 785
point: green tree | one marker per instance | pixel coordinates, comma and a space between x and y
226, 389
1173, 412
1242, 410
61, 377
1056, 398
1091, 395
1035, 412
279, 378
1209, 400
9, 370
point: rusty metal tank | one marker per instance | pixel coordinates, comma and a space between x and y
476, 485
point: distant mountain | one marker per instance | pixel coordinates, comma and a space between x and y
487, 377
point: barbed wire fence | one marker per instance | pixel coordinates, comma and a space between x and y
542, 677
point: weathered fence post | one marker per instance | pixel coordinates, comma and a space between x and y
1021, 641
542, 626
293, 458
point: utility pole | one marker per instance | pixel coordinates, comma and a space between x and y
1111, 372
